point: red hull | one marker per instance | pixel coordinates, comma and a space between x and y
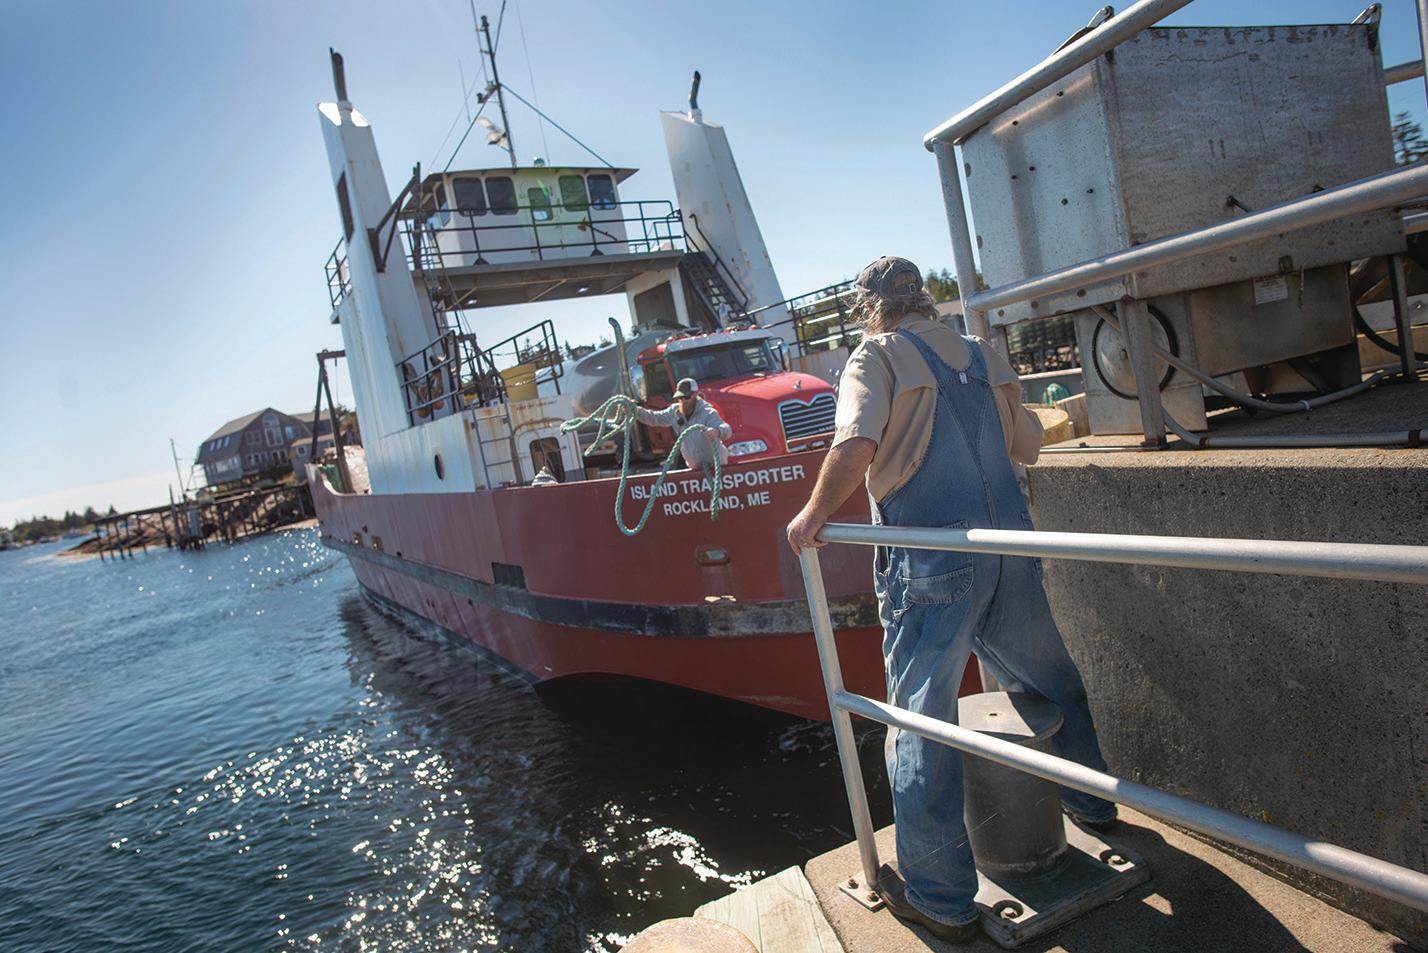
541, 577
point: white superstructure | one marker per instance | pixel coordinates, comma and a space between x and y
712, 198
443, 410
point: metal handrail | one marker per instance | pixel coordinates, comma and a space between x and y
707, 246
431, 378
545, 353
800, 321
1103, 38
1364, 195
339, 279
1402, 564
1402, 72
658, 220
1059, 65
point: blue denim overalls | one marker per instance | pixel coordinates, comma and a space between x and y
937, 607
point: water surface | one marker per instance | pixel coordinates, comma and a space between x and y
233, 750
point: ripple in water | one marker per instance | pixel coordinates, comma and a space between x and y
233, 749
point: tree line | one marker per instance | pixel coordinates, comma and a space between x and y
37, 528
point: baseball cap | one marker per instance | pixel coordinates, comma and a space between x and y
687, 387
890, 277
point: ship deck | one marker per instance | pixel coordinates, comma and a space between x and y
525, 282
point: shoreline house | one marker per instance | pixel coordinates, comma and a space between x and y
253, 444
302, 447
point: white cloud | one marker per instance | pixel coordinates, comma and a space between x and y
131, 493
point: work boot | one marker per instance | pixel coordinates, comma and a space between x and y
1100, 827
894, 894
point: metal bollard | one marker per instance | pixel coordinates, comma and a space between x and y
1013, 818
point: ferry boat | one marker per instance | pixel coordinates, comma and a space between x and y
475, 512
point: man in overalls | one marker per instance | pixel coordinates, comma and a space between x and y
933, 421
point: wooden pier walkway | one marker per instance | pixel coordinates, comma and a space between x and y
225, 517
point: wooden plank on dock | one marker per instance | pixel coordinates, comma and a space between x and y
780, 914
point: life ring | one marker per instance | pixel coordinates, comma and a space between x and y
430, 393
426, 393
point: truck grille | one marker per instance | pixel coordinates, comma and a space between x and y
802, 421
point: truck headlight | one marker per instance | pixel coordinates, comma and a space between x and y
745, 447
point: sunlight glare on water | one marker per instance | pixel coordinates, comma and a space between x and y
232, 749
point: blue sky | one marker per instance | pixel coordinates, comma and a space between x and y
167, 210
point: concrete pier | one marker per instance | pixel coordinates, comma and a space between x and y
1199, 900
1300, 701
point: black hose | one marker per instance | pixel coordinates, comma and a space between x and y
1373, 336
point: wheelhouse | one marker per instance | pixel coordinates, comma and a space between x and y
529, 214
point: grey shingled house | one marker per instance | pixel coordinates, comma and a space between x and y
254, 443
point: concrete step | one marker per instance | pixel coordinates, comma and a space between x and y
1199, 899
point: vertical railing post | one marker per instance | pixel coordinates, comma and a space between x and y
962, 259
842, 721
1403, 319
1423, 36
1137, 332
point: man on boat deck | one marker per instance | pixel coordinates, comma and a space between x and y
935, 420
688, 409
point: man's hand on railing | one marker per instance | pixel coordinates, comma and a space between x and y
803, 531
842, 471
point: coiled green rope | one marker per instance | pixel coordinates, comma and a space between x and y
617, 415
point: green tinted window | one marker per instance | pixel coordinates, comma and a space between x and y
540, 203
572, 193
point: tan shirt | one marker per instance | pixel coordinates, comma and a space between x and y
888, 394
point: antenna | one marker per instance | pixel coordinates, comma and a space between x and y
339, 75
694, 95
172, 447
490, 53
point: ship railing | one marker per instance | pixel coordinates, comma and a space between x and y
1385, 563
822, 307
459, 237
454, 372
446, 376
1386, 190
537, 347
339, 279
696, 241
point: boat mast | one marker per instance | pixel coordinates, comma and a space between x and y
490, 52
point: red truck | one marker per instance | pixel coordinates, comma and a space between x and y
744, 373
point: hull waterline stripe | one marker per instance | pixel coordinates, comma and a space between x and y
714, 620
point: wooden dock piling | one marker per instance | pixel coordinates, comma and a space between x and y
230, 517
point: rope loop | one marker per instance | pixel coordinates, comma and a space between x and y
617, 416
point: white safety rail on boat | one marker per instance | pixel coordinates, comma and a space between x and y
1397, 564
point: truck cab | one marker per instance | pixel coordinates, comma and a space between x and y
743, 373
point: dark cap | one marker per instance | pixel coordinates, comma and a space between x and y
890, 277
687, 387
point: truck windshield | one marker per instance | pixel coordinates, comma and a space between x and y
729, 360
